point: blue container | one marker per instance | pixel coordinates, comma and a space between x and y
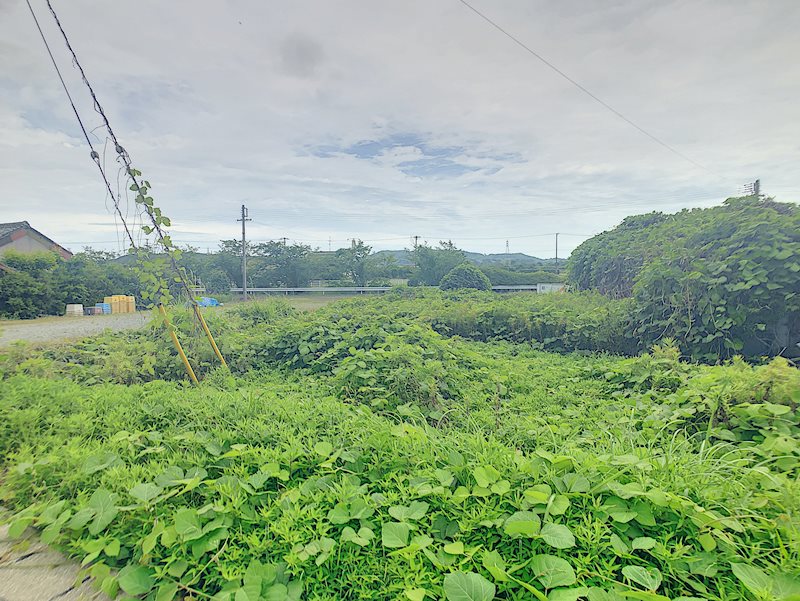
106, 307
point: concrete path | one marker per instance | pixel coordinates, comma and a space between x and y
53, 329
30, 571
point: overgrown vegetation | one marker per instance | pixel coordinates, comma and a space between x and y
416, 446
721, 281
465, 276
43, 282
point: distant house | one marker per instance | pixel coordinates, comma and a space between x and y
20, 236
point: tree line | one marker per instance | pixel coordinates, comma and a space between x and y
42, 283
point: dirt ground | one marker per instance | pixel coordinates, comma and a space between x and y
51, 329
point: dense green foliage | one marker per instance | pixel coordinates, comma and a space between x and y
721, 281
465, 276
554, 322
365, 452
43, 283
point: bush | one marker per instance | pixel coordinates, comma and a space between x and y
721, 281
465, 275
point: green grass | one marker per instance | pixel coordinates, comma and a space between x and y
358, 454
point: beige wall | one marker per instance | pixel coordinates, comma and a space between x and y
26, 244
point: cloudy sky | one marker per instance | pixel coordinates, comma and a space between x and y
386, 119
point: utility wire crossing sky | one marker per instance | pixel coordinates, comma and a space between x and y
472, 121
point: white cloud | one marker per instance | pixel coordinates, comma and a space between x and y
231, 102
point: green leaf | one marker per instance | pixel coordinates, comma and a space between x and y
469, 586
81, 518
522, 523
567, 594
785, 587
643, 542
485, 476
146, 491
559, 505
456, 548
558, 536
394, 534
538, 495
323, 448
18, 526
649, 578
135, 580
112, 547
167, 592
99, 462
753, 578
494, 564
415, 594
552, 571
339, 514
415, 511
105, 511
598, 594
187, 524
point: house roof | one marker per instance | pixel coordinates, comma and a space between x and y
7, 229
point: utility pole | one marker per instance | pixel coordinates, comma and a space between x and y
284, 240
330, 243
556, 252
416, 241
244, 220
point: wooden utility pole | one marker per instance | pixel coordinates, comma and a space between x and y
556, 252
244, 220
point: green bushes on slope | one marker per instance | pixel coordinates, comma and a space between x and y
720, 281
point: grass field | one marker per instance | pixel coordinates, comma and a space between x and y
362, 451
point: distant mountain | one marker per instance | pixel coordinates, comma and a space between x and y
403, 257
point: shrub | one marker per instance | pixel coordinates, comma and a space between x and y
721, 281
465, 275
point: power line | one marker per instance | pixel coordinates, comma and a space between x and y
93, 154
583, 89
124, 157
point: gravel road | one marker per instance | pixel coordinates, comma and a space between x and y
50, 329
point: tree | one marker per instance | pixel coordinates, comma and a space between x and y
280, 264
465, 275
34, 263
434, 263
354, 261
97, 256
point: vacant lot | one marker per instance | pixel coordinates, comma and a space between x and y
407, 448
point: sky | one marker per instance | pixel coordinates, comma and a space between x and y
383, 120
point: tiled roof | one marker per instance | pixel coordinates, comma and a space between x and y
7, 228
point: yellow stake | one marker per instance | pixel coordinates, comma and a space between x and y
177, 343
199, 315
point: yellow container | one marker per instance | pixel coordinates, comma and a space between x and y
121, 303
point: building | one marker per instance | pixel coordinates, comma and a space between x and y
20, 236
